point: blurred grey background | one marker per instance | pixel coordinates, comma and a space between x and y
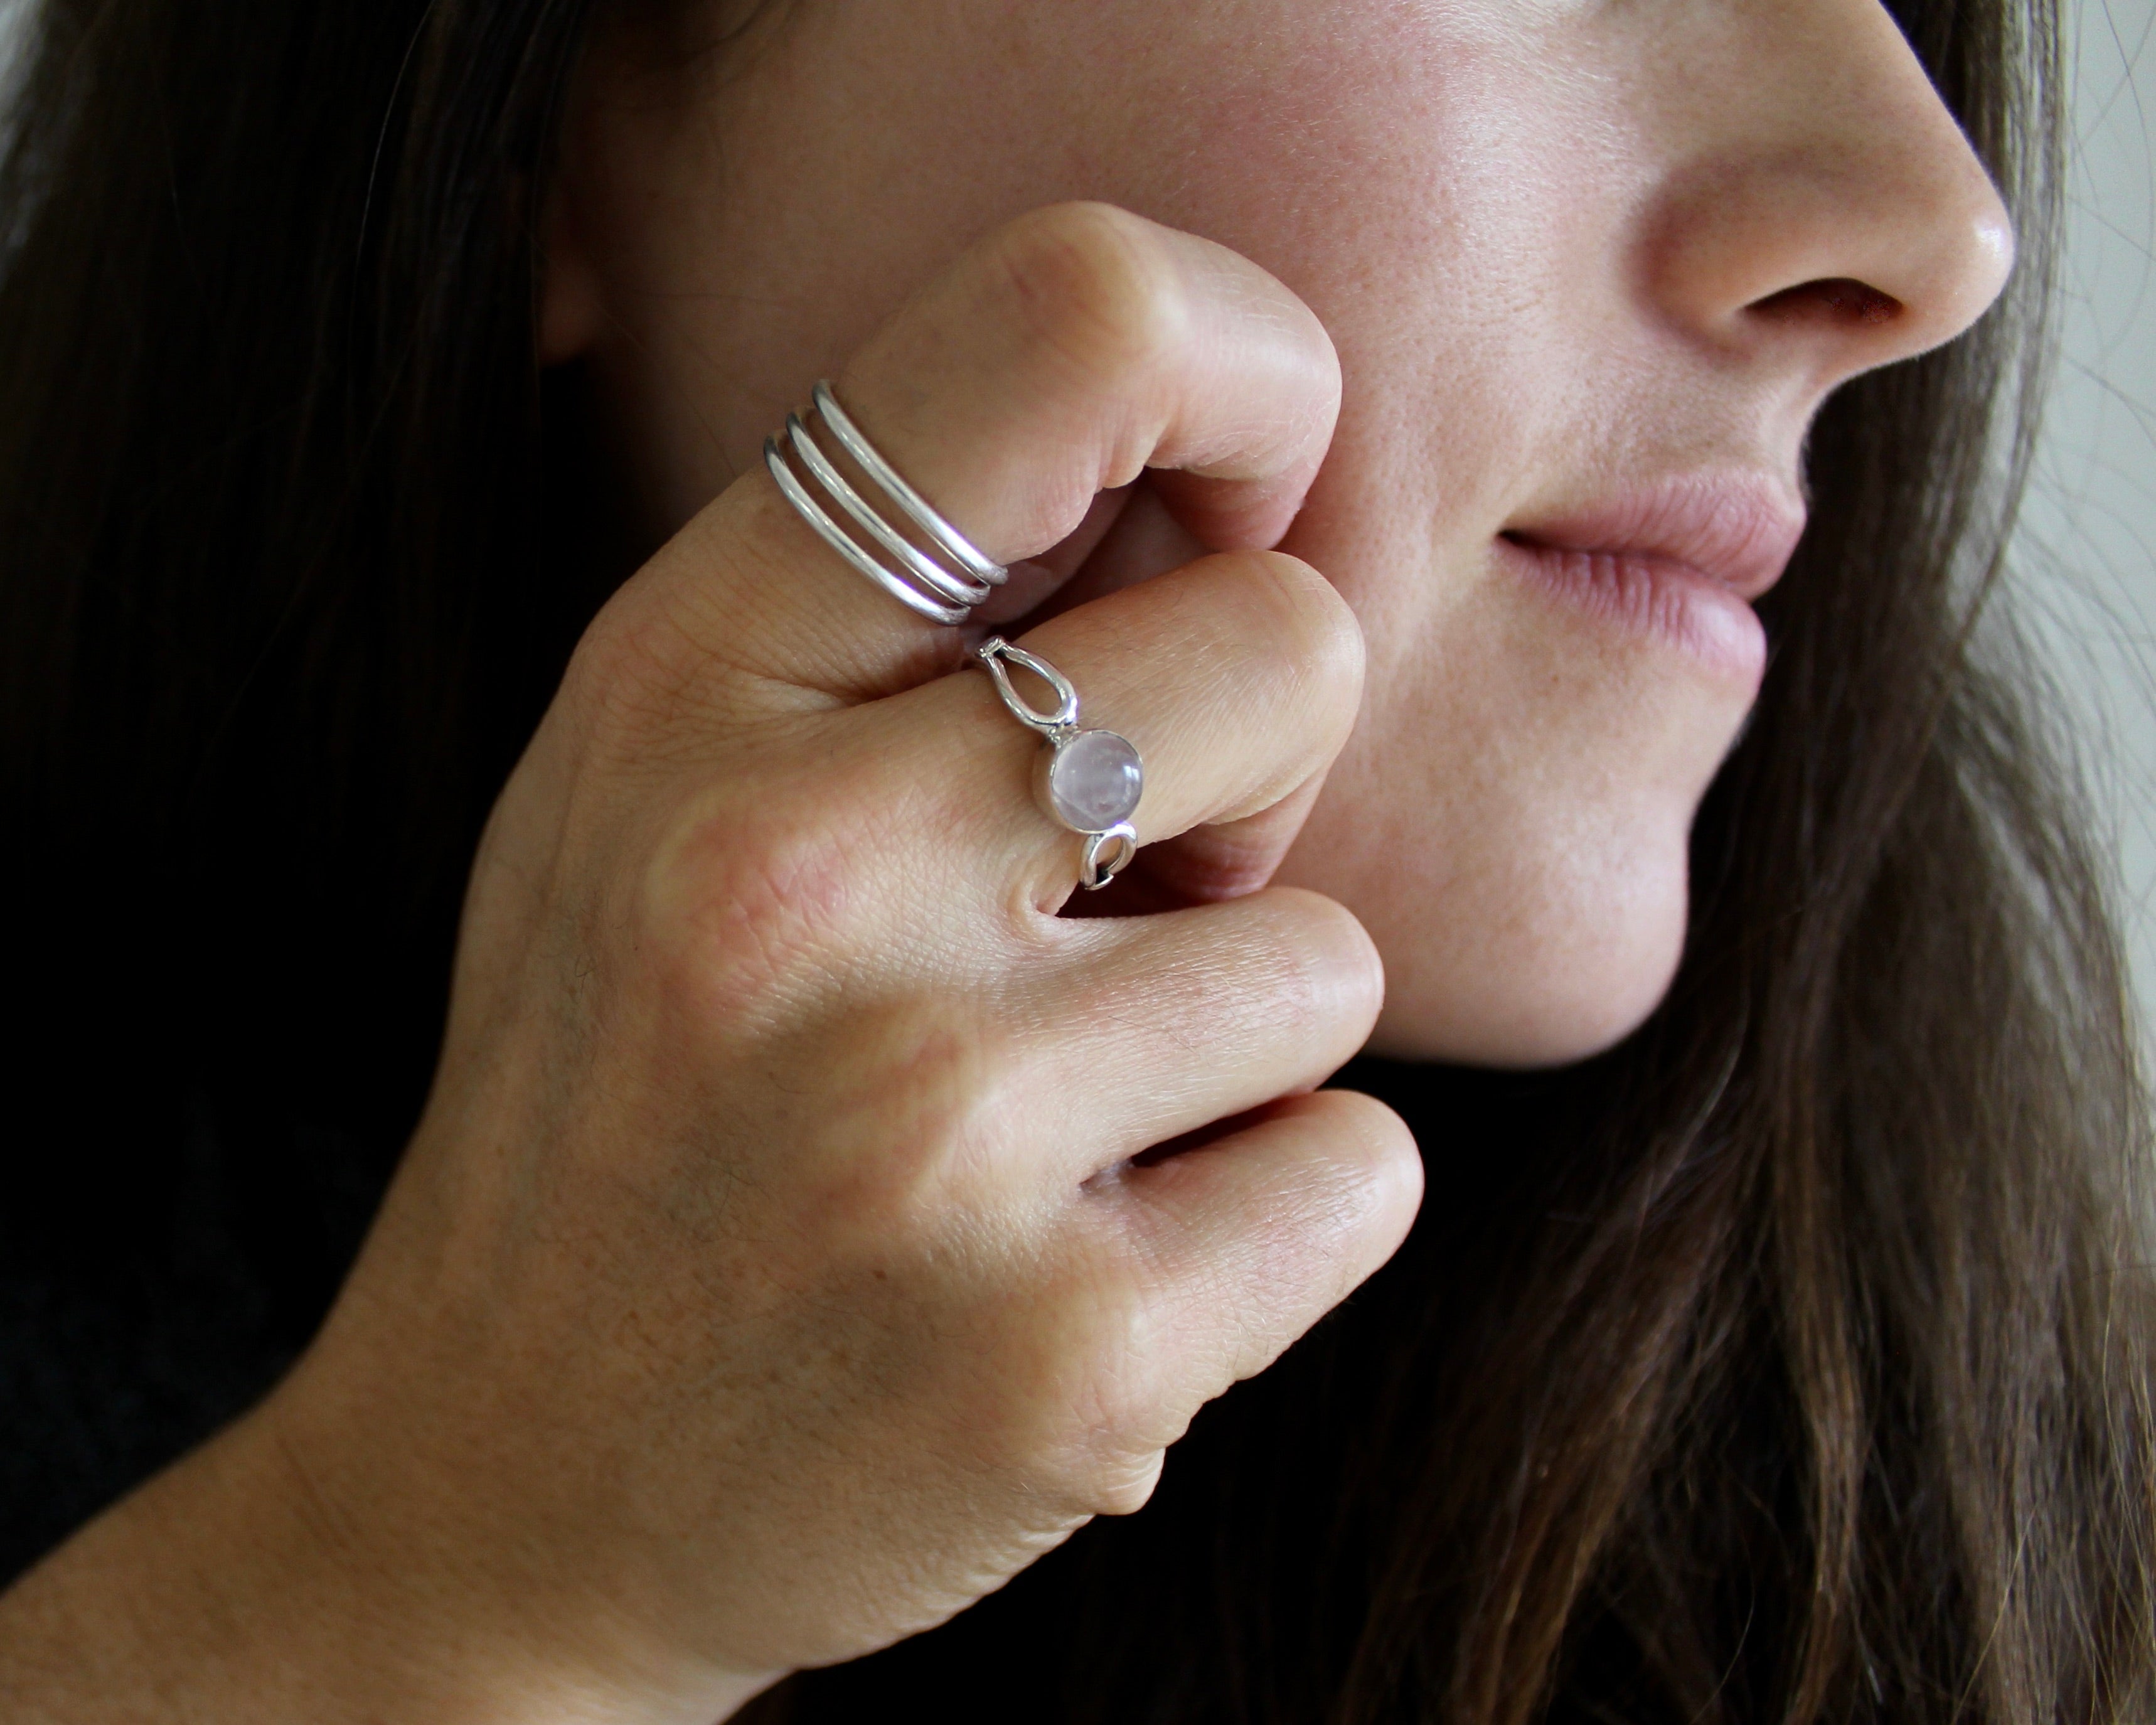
2086, 560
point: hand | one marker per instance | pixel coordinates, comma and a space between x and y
771, 1276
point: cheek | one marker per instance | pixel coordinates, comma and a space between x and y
1511, 817
1380, 164
1511, 821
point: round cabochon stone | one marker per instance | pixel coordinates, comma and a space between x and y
1095, 780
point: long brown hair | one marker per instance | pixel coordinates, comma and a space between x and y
1792, 1362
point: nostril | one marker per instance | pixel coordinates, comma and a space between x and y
1837, 301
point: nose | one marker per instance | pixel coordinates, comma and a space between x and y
1822, 205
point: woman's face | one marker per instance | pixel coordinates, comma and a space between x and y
1591, 266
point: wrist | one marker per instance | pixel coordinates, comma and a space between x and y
245, 1583
452, 1598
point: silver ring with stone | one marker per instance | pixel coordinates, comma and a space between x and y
1090, 781
941, 593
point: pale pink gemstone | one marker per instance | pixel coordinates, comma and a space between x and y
1093, 781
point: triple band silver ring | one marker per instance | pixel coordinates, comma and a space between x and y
918, 580
1090, 781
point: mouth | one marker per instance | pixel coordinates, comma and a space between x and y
1683, 560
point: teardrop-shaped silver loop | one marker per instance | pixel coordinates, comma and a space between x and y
959, 589
1106, 855
995, 652
955, 545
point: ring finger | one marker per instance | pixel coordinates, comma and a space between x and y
1237, 679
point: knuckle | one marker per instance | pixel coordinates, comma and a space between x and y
914, 1110
657, 661
747, 899
625, 678
1097, 287
1328, 978
1126, 1486
1389, 1166
1294, 611
1086, 1417
1359, 1200
1370, 1162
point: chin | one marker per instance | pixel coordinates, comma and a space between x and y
1531, 968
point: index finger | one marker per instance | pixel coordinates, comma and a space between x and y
1060, 358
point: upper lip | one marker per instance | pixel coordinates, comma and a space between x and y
1740, 528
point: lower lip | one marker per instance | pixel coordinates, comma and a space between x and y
1652, 598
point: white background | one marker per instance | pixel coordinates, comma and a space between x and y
2085, 562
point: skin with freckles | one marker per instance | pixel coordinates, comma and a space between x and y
1568, 253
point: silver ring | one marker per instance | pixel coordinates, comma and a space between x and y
1090, 781
941, 594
